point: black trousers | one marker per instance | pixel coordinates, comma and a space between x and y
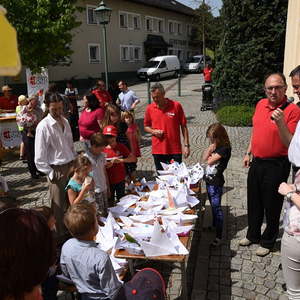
165, 158
263, 199
29, 148
119, 190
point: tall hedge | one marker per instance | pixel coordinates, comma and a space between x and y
252, 46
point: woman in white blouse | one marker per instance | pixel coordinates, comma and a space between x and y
290, 243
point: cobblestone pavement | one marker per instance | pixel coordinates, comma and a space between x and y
229, 272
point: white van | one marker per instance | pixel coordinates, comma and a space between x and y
196, 63
160, 67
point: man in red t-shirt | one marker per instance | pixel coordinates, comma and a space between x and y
207, 72
116, 155
8, 101
102, 94
274, 123
164, 119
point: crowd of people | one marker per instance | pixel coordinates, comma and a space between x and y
83, 185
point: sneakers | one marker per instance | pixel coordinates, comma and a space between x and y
245, 242
261, 251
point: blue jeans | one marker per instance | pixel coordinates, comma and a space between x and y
214, 194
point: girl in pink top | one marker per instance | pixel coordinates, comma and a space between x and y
90, 118
133, 135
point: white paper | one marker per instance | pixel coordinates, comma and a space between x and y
118, 211
142, 218
192, 201
163, 243
126, 221
128, 200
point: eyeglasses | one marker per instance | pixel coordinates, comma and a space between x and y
276, 88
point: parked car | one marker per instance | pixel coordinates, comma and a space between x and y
195, 64
160, 67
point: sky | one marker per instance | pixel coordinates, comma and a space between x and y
214, 4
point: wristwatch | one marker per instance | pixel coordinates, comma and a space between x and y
248, 153
289, 195
187, 145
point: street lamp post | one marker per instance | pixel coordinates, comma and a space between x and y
203, 34
103, 14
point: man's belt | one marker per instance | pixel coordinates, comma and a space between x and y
277, 158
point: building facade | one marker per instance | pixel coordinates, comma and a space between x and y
138, 30
292, 41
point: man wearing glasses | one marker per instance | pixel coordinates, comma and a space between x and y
268, 148
295, 77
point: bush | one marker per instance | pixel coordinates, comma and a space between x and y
252, 46
235, 115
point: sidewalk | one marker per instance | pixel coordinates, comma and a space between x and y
230, 272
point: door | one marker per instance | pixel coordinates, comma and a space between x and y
162, 69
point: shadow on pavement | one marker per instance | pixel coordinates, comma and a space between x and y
213, 268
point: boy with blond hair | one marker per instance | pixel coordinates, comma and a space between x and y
96, 156
82, 260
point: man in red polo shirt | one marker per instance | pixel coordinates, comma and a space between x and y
8, 101
164, 119
102, 94
270, 165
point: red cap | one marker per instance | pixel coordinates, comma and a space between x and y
110, 130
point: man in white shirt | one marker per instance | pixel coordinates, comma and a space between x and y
127, 98
294, 148
54, 154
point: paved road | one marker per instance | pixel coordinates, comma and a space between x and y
230, 272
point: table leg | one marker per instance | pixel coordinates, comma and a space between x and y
130, 265
183, 282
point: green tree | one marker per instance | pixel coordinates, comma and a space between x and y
212, 26
252, 46
44, 30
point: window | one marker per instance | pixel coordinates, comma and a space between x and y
179, 31
175, 27
90, 15
161, 26
137, 53
163, 65
130, 53
189, 30
94, 53
136, 22
148, 24
129, 20
171, 28
123, 20
154, 24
